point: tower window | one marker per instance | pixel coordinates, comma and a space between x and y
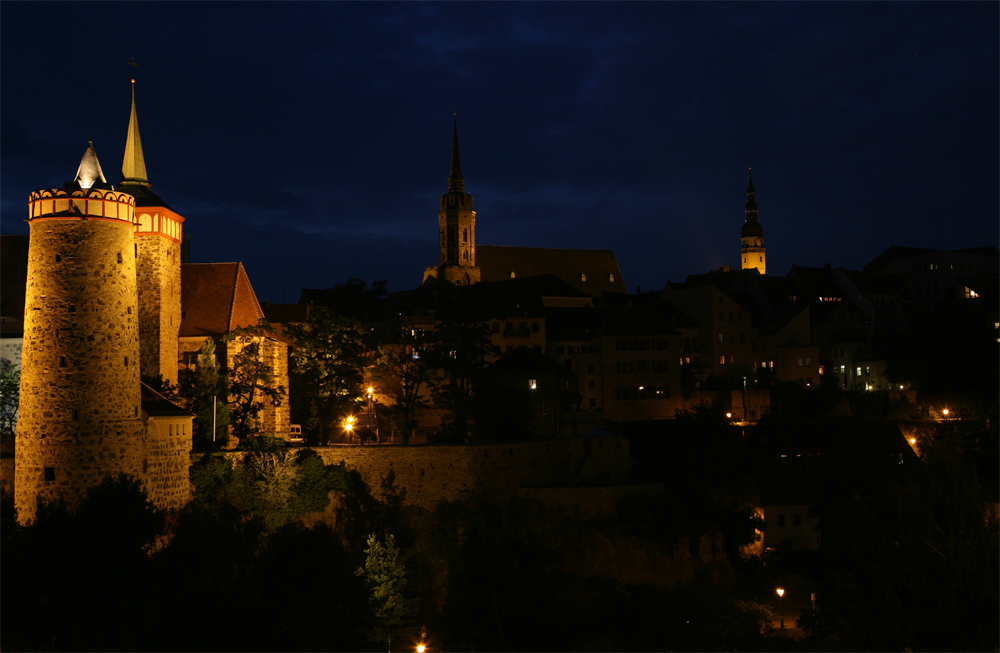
128, 310
62, 361
72, 308
58, 257
49, 474
76, 415
611, 276
119, 257
126, 361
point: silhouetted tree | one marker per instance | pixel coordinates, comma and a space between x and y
327, 361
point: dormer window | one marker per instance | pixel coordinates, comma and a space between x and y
583, 276
611, 276
511, 274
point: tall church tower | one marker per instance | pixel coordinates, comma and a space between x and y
457, 227
79, 415
752, 236
158, 237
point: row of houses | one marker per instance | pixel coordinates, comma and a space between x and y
616, 357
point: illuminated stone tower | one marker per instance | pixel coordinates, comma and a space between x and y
79, 416
158, 237
752, 236
457, 227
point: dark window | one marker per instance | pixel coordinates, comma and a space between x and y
591, 384
796, 519
119, 257
50, 474
781, 519
590, 369
62, 361
58, 257
534, 327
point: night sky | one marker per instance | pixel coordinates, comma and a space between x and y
312, 141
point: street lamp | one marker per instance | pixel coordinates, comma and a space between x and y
781, 593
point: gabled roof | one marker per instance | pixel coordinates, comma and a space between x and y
156, 405
216, 298
592, 271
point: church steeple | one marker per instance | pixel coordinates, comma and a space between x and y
456, 183
456, 227
134, 164
752, 236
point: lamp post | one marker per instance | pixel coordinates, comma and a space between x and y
781, 612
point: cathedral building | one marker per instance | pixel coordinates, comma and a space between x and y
591, 271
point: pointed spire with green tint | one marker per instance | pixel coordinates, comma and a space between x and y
134, 164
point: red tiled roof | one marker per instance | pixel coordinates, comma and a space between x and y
216, 298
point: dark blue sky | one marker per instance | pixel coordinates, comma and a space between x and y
312, 141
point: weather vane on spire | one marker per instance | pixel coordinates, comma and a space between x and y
132, 62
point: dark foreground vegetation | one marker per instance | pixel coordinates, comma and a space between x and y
283, 552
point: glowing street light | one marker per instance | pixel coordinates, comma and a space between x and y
945, 412
781, 593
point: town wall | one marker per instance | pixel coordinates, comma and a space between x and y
429, 474
167, 446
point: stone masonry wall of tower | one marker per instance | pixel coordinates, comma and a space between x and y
79, 417
159, 285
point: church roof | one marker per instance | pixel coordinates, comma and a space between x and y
591, 271
216, 298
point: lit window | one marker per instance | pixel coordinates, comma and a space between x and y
532, 383
722, 360
583, 276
